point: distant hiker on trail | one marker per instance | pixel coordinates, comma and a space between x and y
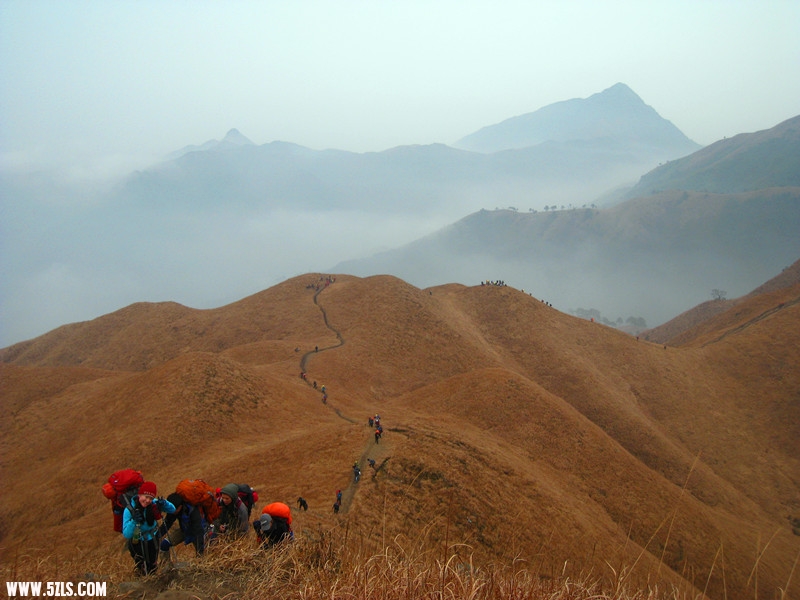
232, 520
371, 423
302, 504
336, 506
377, 436
140, 526
192, 526
324, 398
339, 496
356, 473
323, 388
371, 462
316, 348
315, 385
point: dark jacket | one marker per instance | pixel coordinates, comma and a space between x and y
192, 523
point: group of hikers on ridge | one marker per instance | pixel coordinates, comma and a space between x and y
195, 513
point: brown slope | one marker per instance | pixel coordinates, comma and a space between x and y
511, 426
686, 326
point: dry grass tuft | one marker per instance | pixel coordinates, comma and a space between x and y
332, 565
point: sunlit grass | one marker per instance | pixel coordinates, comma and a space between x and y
333, 565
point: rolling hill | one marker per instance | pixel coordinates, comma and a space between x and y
649, 257
510, 426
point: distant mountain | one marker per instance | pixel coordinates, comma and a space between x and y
746, 162
233, 139
580, 150
613, 114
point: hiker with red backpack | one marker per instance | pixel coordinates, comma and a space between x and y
140, 526
121, 487
233, 519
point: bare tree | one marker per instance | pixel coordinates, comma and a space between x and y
718, 294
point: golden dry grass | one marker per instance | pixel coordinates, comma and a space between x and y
515, 435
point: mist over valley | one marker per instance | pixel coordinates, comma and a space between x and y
538, 201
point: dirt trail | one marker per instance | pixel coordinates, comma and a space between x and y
380, 452
754, 320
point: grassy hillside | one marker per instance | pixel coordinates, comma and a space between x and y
513, 433
746, 162
702, 318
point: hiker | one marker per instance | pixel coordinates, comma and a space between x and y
336, 506
356, 473
192, 526
140, 526
339, 496
377, 436
274, 525
246, 494
302, 504
233, 518
121, 488
371, 462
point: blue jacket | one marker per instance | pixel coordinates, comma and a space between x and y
136, 515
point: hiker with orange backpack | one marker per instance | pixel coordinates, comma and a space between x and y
140, 526
232, 520
274, 525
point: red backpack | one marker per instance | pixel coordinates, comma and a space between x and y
122, 486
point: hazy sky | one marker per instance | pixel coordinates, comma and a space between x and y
107, 83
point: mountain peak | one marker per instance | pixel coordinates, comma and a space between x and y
615, 113
619, 93
235, 137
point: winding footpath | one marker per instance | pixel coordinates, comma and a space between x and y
349, 492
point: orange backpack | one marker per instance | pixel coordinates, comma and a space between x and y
280, 510
198, 493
